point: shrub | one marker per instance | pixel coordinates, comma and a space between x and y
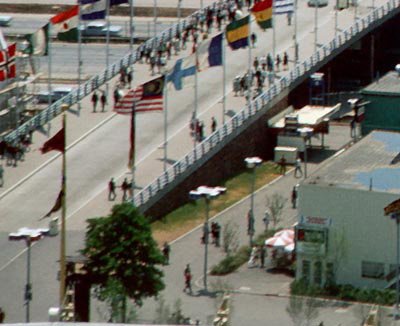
231, 263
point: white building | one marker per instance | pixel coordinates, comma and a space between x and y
342, 232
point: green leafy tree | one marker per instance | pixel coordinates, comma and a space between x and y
123, 257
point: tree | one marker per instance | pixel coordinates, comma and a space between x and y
301, 310
122, 257
275, 204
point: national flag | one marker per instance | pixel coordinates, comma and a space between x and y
38, 42
237, 33
65, 24
183, 68
57, 205
94, 10
209, 52
7, 62
146, 97
283, 7
55, 143
262, 11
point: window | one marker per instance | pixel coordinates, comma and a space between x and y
317, 272
306, 271
371, 269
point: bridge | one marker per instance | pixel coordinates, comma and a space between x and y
152, 197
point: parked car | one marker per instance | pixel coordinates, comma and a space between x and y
58, 93
318, 3
5, 21
100, 29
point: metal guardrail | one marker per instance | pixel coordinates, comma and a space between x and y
260, 105
203, 151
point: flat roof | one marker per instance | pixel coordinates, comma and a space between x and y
309, 115
388, 84
375, 158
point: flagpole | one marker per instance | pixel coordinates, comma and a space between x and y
196, 95
273, 43
133, 140
155, 18
132, 28
165, 126
316, 26
249, 63
296, 45
63, 215
50, 62
224, 78
79, 58
108, 41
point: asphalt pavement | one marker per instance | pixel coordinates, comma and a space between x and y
251, 285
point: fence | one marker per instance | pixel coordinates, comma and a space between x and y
204, 151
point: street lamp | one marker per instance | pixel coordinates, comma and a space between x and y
207, 193
29, 235
393, 209
305, 134
252, 163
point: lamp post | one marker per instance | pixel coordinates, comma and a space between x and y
207, 193
393, 209
305, 133
252, 163
29, 235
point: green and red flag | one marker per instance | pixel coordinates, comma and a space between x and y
262, 11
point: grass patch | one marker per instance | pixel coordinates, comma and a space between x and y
192, 214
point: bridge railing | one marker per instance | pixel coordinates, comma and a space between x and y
110, 72
261, 104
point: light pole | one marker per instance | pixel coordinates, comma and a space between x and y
316, 26
305, 133
207, 193
29, 235
252, 163
393, 210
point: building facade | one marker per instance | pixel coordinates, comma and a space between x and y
342, 234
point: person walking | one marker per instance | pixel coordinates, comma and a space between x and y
1, 175
103, 100
111, 190
116, 95
282, 165
213, 125
125, 189
285, 61
266, 219
165, 251
262, 255
95, 99
188, 279
278, 61
294, 197
2, 315
298, 169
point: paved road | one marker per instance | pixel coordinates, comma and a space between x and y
103, 154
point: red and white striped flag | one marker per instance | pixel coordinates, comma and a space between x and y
7, 62
146, 97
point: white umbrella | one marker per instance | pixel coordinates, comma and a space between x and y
289, 248
287, 233
278, 241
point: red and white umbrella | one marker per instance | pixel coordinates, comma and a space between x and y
286, 233
278, 242
289, 248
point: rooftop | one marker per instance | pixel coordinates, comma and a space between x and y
374, 159
388, 84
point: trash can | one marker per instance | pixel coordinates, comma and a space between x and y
54, 314
53, 226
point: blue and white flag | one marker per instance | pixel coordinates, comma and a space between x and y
209, 53
93, 10
183, 68
283, 7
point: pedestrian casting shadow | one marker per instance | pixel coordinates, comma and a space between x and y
170, 162
204, 293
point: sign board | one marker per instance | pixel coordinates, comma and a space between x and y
317, 221
311, 241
